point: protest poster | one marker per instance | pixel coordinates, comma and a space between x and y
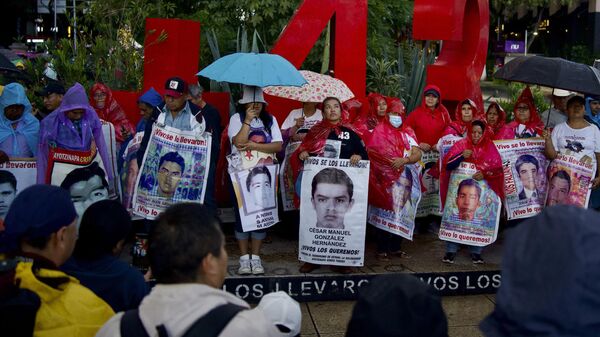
256, 195
525, 181
108, 130
472, 211
569, 181
82, 173
334, 213
445, 144
130, 169
174, 169
430, 203
406, 194
286, 179
21, 171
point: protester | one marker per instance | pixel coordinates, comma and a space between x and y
189, 261
211, 116
558, 111
104, 228
430, 119
19, 129
72, 126
252, 128
527, 123
333, 129
465, 112
148, 104
109, 110
393, 145
51, 302
52, 94
479, 149
397, 305
575, 137
299, 121
495, 117
592, 110
538, 299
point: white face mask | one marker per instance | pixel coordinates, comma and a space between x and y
396, 121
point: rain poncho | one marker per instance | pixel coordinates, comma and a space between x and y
589, 116
387, 143
369, 119
458, 127
485, 157
152, 98
550, 272
427, 124
58, 130
501, 118
112, 112
395, 105
21, 141
532, 128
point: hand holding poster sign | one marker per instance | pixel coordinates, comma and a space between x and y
174, 169
569, 181
430, 200
525, 185
333, 211
472, 210
406, 193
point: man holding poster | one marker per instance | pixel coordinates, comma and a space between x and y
574, 148
471, 186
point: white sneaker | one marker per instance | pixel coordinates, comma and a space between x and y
257, 268
245, 268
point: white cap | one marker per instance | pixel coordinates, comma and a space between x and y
282, 310
252, 94
561, 93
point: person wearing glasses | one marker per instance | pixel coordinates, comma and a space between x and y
527, 123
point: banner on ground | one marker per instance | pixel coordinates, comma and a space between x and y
569, 181
334, 213
472, 211
174, 169
525, 182
286, 178
430, 203
406, 194
256, 195
23, 171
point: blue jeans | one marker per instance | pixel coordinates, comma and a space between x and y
452, 247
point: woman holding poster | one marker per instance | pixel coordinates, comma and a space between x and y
331, 138
479, 149
252, 129
392, 149
575, 138
527, 123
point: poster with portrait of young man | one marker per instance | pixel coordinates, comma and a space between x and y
333, 211
15, 176
174, 169
569, 181
472, 211
430, 203
525, 181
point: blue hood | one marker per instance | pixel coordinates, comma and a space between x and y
151, 97
550, 273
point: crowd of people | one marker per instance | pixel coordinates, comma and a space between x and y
60, 264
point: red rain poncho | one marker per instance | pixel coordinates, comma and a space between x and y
427, 124
532, 128
395, 105
387, 143
112, 112
369, 119
458, 127
501, 118
485, 157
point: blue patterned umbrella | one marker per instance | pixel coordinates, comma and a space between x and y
255, 69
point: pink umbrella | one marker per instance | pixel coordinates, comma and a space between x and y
317, 88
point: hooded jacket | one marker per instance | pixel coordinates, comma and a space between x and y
58, 130
429, 125
501, 118
550, 271
111, 112
458, 127
21, 141
532, 128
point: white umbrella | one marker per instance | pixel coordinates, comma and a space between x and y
317, 88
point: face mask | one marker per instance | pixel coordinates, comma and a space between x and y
396, 121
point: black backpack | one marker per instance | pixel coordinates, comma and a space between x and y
209, 325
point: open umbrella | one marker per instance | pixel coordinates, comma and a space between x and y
552, 72
254, 69
318, 88
5, 64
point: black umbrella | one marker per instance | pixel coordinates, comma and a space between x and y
5, 64
552, 72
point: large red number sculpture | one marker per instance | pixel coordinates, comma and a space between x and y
463, 26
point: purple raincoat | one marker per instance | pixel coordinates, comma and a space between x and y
58, 130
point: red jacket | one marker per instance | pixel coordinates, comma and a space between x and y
427, 124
